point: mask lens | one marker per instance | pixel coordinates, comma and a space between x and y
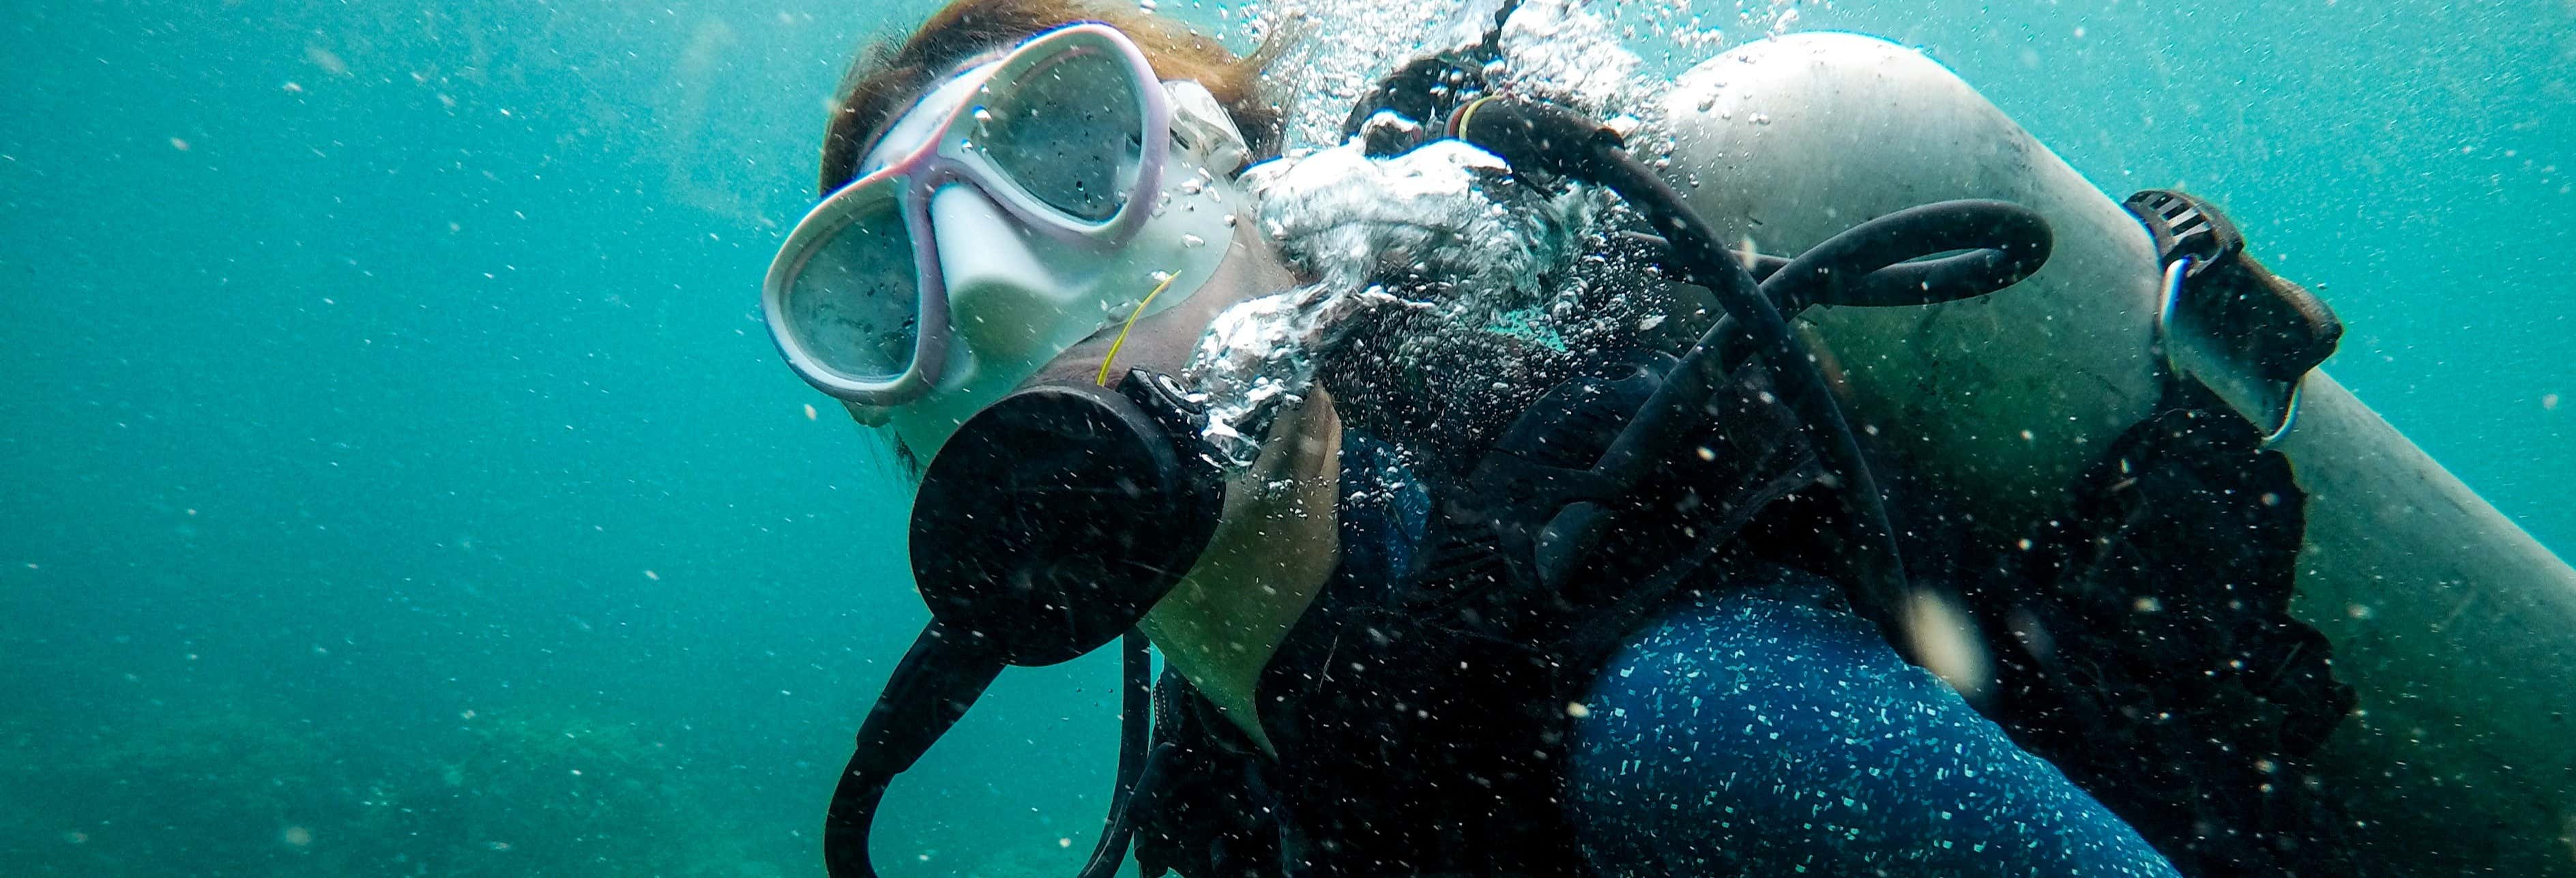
856, 306
1071, 132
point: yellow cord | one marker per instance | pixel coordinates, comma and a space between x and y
1467, 112
1121, 341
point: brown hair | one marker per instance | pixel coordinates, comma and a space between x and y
886, 79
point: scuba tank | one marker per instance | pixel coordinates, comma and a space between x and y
2450, 621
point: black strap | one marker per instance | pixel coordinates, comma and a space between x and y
1425, 90
2174, 685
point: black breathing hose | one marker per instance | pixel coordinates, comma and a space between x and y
938, 679
1874, 552
1859, 267
1135, 708
1863, 266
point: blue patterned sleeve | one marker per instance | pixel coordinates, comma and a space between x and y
1761, 731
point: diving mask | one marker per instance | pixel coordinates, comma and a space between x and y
1019, 209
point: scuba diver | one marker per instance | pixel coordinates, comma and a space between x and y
1654, 595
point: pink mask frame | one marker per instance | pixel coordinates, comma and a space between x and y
950, 156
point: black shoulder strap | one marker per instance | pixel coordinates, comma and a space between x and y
1545, 545
2173, 683
1204, 811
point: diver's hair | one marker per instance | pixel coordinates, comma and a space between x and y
887, 78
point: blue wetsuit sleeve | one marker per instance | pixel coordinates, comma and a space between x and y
1762, 732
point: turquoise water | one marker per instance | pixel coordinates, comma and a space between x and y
397, 479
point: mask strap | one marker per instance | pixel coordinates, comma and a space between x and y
1202, 126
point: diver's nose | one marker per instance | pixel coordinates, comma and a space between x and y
1003, 301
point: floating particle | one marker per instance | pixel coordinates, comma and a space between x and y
325, 59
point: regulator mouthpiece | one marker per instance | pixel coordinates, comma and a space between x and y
1056, 517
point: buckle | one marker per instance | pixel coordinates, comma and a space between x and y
2246, 334
2185, 226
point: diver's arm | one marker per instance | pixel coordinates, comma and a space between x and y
1758, 730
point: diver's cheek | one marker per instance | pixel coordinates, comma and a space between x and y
1004, 303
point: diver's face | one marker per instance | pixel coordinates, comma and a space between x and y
1041, 298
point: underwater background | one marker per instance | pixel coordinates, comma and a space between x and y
396, 477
